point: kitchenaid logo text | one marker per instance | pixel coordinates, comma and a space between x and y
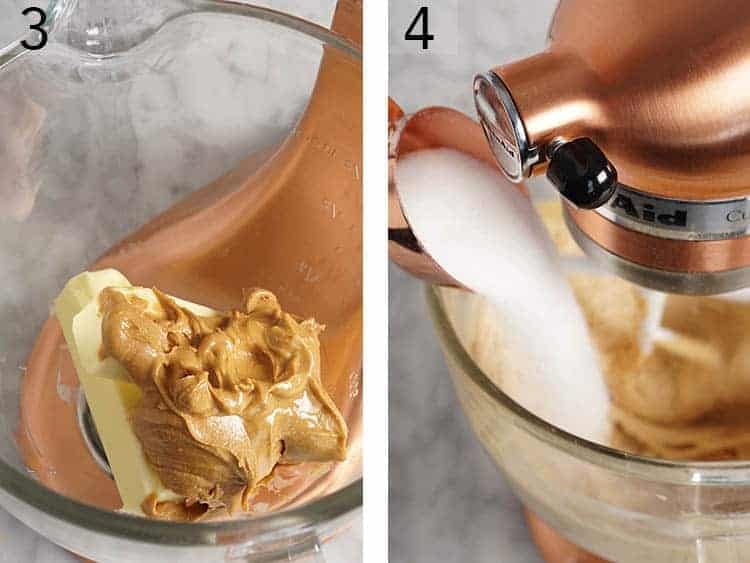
678, 219
648, 213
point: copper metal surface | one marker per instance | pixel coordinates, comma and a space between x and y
429, 128
665, 254
663, 88
291, 222
554, 547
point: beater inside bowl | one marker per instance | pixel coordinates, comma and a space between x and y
106, 153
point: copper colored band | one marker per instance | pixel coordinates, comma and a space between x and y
554, 547
347, 20
404, 248
429, 128
394, 113
664, 254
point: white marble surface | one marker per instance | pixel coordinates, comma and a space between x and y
447, 501
119, 157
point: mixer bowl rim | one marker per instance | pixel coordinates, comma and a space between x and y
703, 473
326, 509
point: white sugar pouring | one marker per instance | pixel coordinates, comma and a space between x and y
486, 234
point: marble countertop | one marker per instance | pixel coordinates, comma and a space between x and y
448, 502
21, 544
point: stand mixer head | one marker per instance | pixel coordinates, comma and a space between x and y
637, 114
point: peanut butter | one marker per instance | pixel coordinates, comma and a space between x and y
226, 398
684, 398
687, 397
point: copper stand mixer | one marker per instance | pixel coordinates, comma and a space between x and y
638, 114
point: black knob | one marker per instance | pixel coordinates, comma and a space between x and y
582, 174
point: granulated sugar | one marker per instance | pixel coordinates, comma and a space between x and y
485, 233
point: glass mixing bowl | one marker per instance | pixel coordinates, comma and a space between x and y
617, 505
111, 123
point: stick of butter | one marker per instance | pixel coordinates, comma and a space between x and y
110, 395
